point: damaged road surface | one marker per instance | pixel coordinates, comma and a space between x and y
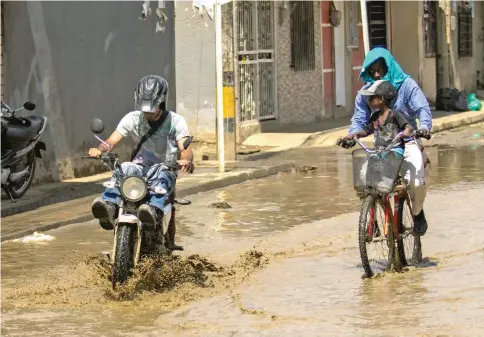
282, 261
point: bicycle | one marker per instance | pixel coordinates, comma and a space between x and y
384, 194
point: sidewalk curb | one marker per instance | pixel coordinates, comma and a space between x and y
234, 178
328, 138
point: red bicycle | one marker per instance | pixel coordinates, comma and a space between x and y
385, 232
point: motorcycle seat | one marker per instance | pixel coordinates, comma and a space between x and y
23, 132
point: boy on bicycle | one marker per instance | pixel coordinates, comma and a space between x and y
384, 123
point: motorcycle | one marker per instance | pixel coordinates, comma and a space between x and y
20, 147
132, 238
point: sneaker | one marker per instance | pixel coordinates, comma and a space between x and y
420, 224
147, 215
105, 212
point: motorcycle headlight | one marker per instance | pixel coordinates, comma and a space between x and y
133, 188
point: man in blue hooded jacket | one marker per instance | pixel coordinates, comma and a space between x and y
379, 64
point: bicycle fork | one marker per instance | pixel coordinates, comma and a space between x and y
388, 210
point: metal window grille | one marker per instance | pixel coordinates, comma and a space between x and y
377, 23
464, 26
302, 35
430, 27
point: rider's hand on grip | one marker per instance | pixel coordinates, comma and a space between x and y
95, 153
423, 133
346, 142
186, 166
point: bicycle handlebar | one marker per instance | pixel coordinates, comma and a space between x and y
416, 134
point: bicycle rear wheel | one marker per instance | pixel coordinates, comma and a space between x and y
377, 245
409, 245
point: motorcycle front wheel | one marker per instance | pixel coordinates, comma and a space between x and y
123, 256
18, 189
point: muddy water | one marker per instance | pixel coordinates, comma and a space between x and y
317, 290
41, 285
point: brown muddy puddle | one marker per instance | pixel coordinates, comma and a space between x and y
43, 294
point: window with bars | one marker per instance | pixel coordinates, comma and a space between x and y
464, 26
302, 35
430, 27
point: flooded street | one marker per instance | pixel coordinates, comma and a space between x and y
283, 260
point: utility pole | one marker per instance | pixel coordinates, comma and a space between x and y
225, 70
364, 24
219, 85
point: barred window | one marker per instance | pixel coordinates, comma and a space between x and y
302, 35
430, 27
464, 26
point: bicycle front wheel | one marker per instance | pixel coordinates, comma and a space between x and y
376, 239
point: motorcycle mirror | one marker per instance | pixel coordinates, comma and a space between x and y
187, 142
29, 106
97, 126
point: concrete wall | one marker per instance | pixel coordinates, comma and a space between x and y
195, 70
299, 94
79, 60
429, 78
405, 24
479, 39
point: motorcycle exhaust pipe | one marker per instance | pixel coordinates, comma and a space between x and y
17, 176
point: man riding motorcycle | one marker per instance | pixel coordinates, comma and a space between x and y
160, 135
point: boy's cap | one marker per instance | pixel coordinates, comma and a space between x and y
380, 88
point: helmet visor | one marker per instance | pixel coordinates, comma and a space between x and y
147, 106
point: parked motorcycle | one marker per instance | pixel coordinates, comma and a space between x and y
132, 238
20, 146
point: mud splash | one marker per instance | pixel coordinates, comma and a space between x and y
85, 281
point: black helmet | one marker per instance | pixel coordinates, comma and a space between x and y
151, 92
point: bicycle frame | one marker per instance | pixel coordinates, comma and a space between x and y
386, 198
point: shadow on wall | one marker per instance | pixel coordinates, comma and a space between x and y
77, 61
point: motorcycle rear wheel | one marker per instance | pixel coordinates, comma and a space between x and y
17, 190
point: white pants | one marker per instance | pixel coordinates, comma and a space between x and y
413, 172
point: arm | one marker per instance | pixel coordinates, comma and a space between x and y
361, 115
361, 134
186, 155
403, 124
113, 140
418, 103
122, 130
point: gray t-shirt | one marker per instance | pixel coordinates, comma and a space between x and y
162, 147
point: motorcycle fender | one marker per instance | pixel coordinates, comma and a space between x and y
39, 146
166, 218
129, 219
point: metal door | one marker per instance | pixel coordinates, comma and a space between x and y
254, 41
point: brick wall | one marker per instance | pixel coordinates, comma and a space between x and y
299, 94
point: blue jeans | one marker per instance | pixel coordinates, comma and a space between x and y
156, 177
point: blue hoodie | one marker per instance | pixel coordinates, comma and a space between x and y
410, 101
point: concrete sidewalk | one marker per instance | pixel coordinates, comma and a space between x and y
326, 133
50, 206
